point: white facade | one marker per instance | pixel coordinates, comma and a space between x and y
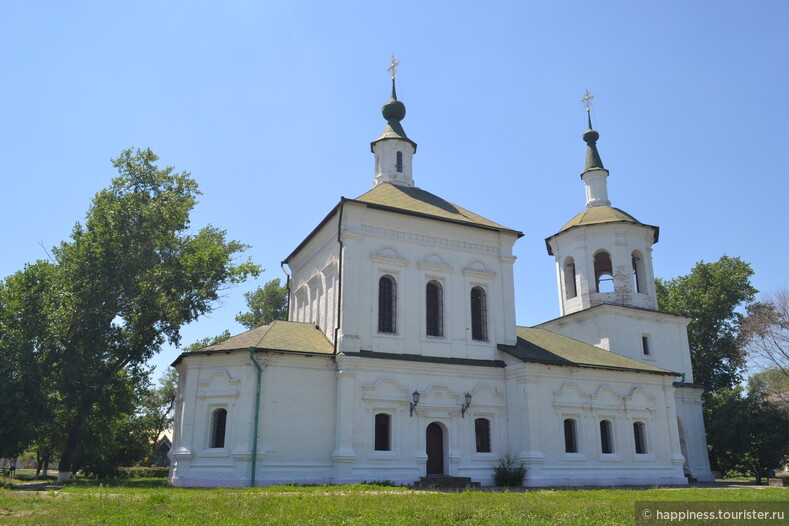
411, 294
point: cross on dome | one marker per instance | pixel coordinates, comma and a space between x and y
393, 67
586, 99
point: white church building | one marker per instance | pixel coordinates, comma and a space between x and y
401, 357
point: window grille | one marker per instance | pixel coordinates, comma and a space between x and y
606, 437
570, 436
387, 304
218, 424
435, 309
479, 314
640, 437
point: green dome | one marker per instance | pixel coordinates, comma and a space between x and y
393, 110
591, 136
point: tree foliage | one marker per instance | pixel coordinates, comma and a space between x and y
710, 296
766, 332
209, 340
80, 326
157, 406
743, 426
265, 304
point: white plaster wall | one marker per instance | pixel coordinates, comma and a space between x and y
691, 420
386, 162
385, 386
589, 396
415, 251
296, 425
314, 277
317, 421
620, 329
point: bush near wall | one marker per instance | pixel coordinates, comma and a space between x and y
141, 472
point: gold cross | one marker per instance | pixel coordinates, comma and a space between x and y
393, 67
587, 100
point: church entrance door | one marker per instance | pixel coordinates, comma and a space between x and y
435, 449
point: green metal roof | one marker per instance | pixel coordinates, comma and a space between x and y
415, 201
599, 215
288, 336
542, 346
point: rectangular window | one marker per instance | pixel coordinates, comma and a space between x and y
218, 425
435, 308
645, 345
606, 437
383, 432
482, 431
570, 436
387, 304
479, 314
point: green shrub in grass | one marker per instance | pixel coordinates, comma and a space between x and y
509, 472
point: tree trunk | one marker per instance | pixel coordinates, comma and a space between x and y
72, 440
46, 462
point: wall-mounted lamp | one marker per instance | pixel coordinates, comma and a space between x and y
463, 407
415, 397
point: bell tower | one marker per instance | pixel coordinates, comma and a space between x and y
394, 151
603, 255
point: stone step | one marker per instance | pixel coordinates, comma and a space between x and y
445, 482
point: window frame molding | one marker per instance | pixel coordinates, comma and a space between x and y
648, 453
213, 410
395, 413
615, 452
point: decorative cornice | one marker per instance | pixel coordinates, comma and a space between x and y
479, 274
425, 239
389, 260
434, 267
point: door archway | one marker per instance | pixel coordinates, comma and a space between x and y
434, 441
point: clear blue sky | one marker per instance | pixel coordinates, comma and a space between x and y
272, 105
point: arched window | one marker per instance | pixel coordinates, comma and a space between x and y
640, 437
383, 432
603, 272
387, 304
570, 290
570, 436
218, 425
639, 277
435, 308
482, 432
606, 437
479, 314
399, 161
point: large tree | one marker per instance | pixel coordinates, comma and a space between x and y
710, 296
766, 332
745, 425
122, 286
266, 304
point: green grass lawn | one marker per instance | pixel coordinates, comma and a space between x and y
151, 501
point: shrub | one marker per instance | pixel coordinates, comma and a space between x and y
141, 472
509, 472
